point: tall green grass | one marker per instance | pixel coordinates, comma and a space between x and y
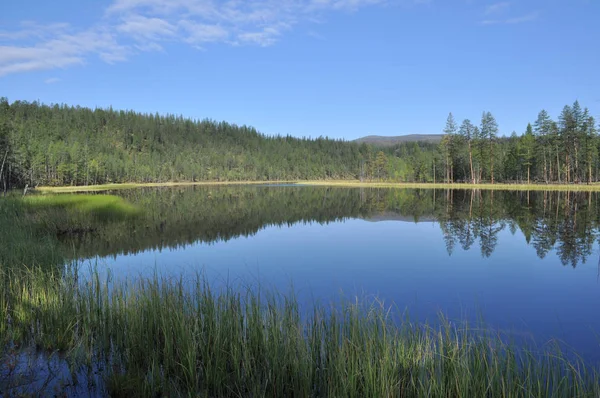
595, 187
165, 337
102, 206
29, 226
113, 187
344, 183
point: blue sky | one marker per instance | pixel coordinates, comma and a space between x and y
340, 68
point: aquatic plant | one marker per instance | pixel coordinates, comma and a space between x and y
160, 336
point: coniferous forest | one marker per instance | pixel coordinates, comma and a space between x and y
66, 145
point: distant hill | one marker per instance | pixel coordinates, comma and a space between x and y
379, 140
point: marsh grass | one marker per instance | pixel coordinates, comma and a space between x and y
169, 337
111, 187
30, 226
500, 187
340, 183
100, 206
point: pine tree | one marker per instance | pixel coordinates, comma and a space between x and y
479, 154
589, 144
542, 132
451, 144
467, 131
526, 150
489, 131
567, 133
579, 120
511, 163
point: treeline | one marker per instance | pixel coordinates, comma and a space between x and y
562, 151
549, 151
65, 145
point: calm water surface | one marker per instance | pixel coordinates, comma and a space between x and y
525, 263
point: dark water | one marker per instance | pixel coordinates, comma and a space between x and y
527, 264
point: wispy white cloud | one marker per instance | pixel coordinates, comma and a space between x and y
56, 46
512, 20
52, 80
141, 27
496, 8
199, 33
131, 26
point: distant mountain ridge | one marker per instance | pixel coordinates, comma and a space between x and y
380, 140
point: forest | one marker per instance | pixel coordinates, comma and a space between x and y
66, 145
63, 145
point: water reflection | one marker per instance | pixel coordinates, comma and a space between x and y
174, 217
565, 221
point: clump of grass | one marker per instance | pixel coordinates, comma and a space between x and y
23, 241
173, 337
102, 206
30, 226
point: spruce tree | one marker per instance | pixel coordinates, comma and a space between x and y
489, 131
467, 131
451, 144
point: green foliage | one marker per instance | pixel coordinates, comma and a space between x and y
59, 145
165, 337
527, 151
563, 151
62, 145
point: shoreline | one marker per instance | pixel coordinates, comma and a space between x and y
333, 183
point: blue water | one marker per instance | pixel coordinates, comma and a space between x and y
406, 263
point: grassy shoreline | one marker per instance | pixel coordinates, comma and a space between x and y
466, 186
158, 337
333, 183
109, 187
166, 337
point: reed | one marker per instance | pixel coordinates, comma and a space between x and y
166, 337
119, 186
595, 187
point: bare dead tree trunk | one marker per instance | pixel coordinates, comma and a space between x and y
568, 164
557, 165
492, 159
2, 170
471, 162
545, 167
3, 162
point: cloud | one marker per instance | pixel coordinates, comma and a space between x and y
56, 46
197, 33
496, 8
266, 37
512, 20
131, 26
142, 27
52, 80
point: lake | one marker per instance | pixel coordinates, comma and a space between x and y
525, 264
